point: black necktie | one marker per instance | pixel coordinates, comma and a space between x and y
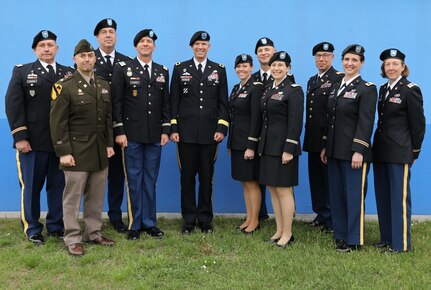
147, 72
51, 72
341, 89
264, 78
199, 71
92, 84
108, 62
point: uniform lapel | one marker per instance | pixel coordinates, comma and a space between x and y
83, 85
41, 71
396, 89
154, 73
209, 68
139, 70
101, 61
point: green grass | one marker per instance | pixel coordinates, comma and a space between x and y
224, 260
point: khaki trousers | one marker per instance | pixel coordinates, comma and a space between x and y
92, 185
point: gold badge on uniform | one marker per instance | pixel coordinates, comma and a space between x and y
135, 93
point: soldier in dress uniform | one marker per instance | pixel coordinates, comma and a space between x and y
347, 149
199, 122
264, 50
140, 96
282, 108
397, 144
319, 87
28, 101
107, 57
244, 130
81, 129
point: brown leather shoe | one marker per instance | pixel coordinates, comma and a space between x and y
103, 241
76, 249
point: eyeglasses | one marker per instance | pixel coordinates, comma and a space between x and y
324, 55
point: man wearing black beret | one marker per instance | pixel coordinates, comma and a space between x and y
106, 58
199, 122
140, 96
319, 87
28, 101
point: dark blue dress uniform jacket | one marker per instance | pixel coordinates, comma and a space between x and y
282, 129
199, 106
318, 92
401, 126
28, 101
244, 109
351, 120
140, 107
104, 70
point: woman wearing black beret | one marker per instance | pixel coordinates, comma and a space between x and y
282, 108
397, 144
244, 129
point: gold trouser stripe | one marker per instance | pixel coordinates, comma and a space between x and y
362, 217
21, 181
129, 205
406, 174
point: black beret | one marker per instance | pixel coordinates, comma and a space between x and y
200, 35
146, 32
243, 58
82, 46
280, 56
392, 53
323, 46
355, 49
264, 41
107, 22
43, 35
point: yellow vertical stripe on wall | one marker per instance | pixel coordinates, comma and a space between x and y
406, 173
21, 181
362, 216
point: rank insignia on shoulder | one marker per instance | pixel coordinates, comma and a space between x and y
165, 68
339, 73
221, 65
19, 65
295, 85
411, 85
369, 84
178, 63
257, 83
121, 63
289, 74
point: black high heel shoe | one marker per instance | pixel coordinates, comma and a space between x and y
252, 232
289, 242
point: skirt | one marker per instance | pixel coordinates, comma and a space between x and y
244, 170
273, 173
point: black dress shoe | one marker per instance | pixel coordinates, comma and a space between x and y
133, 235
392, 251
264, 217
273, 240
251, 232
316, 223
207, 228
36, 239
119, 226
287, 244
56, 234
345, 248
380, 245
187, 229
155, 232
